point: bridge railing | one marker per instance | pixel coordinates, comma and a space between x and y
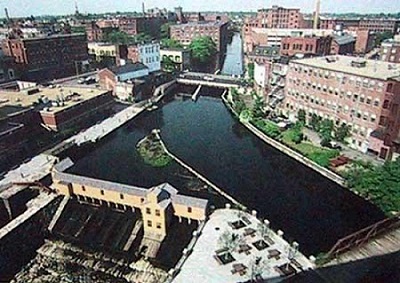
363, 236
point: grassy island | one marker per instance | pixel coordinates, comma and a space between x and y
152, 152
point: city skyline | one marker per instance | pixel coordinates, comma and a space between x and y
20, 8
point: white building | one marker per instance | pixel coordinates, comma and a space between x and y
149, 55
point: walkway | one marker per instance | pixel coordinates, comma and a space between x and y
202, 266
35, 169
384, 244
34, 206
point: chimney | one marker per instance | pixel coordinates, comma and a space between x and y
316, 14
143, 9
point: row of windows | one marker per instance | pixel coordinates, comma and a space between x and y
355, 97
338, 108
340, 77
150, 224
355, 128
150, 60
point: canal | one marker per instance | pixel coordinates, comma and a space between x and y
233, 64
309, 208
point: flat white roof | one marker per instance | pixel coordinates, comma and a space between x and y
373, 69
201, 266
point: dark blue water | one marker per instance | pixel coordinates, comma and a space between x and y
233, 64
309, 208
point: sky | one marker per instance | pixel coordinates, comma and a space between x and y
19, 8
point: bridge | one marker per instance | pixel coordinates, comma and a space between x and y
205, 79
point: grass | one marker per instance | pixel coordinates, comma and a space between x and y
152, 152
319, 155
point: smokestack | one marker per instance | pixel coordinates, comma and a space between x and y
143, 9
316, 14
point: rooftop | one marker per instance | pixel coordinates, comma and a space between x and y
203, 23
127, 68
373, 69
266, 248
266, 51
53, 99
53, 36
344, 39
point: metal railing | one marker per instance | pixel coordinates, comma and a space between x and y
363, 236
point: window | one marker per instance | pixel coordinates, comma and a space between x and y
149, 223
158, 212
83, 188
148, 210
142, 200
386, 104
102, 192
121, 196
189, 209
158, 225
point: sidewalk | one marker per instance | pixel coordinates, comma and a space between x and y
346, 150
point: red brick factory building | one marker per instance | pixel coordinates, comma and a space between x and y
364, 94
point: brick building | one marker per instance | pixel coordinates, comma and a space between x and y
275, 17
136, 25
306, 45
364, 94
185, 33
390, 50
344, 44
98, 31
365, 41
122, 80
60, 108
48, 57
274, 37
355, 24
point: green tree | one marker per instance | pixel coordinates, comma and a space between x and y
164, 31
168, 64
302, 116
170, 43
203, 48
250, 70
120, 37
314, 122
258, 107
326, 127
297, 133
342, 132
380, 184
382, 36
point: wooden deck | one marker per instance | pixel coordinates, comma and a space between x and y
384, 244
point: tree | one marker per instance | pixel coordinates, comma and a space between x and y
380, 184
168, 64
170, 43
302, 116
250, 70
119, 37
164, 31
342, 132
203, 48
258, 107
382, 36
229, 240
314, 122
326, 127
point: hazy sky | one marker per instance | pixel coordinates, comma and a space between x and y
40, 7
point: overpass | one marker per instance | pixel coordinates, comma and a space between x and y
205, 79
